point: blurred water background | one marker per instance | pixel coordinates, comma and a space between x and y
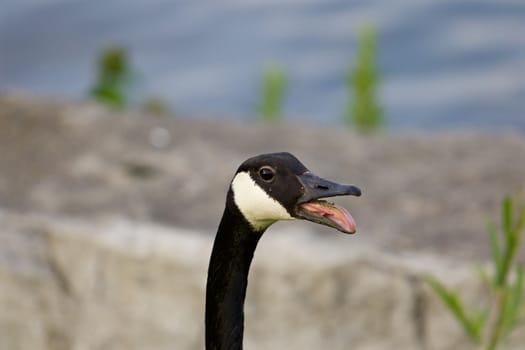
444, 63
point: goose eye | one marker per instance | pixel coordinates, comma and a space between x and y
267, 173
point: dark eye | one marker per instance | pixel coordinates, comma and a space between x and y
266, 173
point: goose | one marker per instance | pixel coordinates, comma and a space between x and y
266, 188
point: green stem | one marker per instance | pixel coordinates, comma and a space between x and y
508, 256
511, 245
497, 328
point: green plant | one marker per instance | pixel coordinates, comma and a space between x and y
113, 76
363, 110
273, 86
488, 326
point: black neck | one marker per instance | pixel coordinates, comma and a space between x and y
230, 260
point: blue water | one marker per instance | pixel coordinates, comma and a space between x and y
444, 63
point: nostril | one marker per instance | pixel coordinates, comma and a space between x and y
322, 187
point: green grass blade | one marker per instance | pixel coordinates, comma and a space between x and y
471, 326
364, 111
479, 320
495, 249
510, 311
511, 241
520, 224
273, 87
506, 215
515, 299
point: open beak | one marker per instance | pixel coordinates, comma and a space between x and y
310, 206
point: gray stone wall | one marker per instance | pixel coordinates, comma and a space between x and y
118, 284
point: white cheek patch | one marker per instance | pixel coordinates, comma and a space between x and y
255, 204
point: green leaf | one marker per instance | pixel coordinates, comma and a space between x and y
520, 222
109, 94
511, 242
273, 87
479, 319
507, 311
495, 249
506, 215
363, 111
471, 325
511, 305
515, 295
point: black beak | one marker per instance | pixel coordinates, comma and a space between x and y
310, 207
316, 187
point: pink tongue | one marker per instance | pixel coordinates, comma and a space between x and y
335, 213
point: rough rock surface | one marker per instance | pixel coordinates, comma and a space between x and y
81, 267
422, 192
116, 284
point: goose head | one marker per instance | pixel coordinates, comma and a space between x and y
277, 186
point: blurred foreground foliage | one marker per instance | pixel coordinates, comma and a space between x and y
491, 324
363, 110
